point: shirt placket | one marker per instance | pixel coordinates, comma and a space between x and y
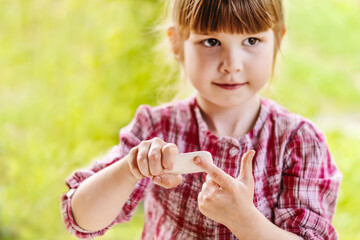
226, 154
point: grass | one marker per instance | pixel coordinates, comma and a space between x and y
72, 73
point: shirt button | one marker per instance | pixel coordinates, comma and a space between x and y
233, 151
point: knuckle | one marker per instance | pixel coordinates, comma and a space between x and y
157, 140
214, 175
174, 148
208, 178
153, 156
165, 149
207, 198
170, 148
144, 143
141, 158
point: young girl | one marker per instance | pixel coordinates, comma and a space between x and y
287, 190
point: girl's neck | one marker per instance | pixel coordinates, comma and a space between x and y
233, 121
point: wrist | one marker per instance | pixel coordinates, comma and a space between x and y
246, 227
123, 169
257, 226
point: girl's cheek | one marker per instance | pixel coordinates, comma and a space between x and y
208, 57
203, 60
208, 51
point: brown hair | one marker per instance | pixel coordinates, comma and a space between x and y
231, 16
206, 16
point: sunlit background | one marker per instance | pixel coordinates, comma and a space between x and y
72, 73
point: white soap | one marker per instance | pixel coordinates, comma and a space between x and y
184, 163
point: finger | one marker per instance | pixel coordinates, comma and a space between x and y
246, 166
209, 189
218, 175
200, 199
142, 160
133, 163
210, 192
169, 151
167, 180
208, 178
154, 156
203, 188
211, 183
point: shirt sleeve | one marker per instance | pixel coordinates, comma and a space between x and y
310, 184
139, 129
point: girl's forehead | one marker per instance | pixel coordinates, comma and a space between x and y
211, 33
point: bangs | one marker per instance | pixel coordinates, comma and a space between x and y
230, 16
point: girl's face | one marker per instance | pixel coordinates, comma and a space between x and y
228, 69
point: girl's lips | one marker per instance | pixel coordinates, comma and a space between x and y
230, 86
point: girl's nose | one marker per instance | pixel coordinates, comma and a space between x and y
231, 62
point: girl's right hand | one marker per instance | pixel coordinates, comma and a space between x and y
150, 158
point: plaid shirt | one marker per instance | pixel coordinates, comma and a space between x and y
296, 180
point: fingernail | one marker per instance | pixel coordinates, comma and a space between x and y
157, 179
197, 160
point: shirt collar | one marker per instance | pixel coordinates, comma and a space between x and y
205, 135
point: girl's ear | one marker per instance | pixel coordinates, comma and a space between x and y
174, 40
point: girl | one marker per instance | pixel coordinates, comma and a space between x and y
287, 190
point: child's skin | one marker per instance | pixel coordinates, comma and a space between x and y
228, 59
94, 211
227, 71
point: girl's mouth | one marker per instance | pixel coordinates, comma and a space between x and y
230, 86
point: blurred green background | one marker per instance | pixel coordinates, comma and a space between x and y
72, 73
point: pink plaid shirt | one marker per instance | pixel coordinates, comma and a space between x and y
296, 180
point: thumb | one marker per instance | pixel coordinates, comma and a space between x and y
246, 167
167, 180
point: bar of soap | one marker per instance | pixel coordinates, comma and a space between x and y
184, 163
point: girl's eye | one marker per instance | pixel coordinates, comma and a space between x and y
212, 42
251, 41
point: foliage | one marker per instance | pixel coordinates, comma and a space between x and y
72, 73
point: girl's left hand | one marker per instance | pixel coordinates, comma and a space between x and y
225, 199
